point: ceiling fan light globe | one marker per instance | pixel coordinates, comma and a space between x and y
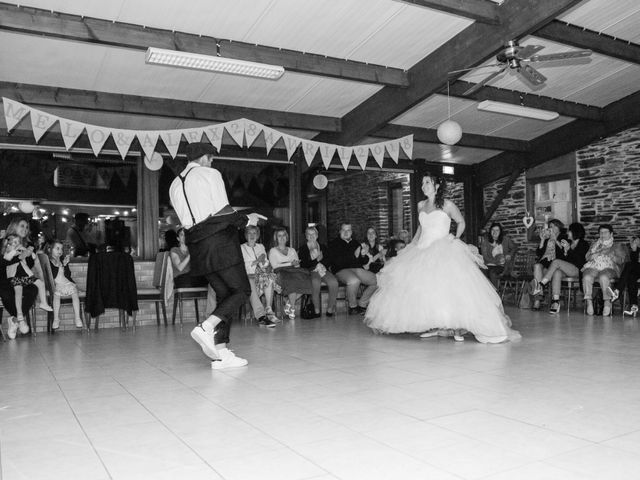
449, 132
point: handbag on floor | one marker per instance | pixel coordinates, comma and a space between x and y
307, 310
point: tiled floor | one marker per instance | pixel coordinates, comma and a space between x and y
325, 399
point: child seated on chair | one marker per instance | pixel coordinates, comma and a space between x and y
20, 274
64, 284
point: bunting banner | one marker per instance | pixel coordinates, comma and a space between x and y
244, 132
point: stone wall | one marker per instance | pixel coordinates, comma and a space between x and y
511, 210
608, 184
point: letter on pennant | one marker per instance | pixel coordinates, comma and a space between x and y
14, 112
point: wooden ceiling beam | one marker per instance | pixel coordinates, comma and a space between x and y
429, 135
475, 43
478, 10
44, 96
618, 116
514, 97
579, 37
97, 31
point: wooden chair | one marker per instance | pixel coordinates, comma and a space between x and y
155, 293
182, 294
50, 287
521, 272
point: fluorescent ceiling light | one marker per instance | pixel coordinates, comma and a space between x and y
519, 110
210, 63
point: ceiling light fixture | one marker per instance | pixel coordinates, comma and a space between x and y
449, 132
518, 110
195, 61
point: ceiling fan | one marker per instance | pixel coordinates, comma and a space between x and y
515, 57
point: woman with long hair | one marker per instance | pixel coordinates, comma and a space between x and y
435, 284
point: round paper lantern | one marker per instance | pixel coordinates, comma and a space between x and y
449, 132
26, 207
320, 181
155, 162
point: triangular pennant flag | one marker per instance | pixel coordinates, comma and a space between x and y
271, 137
291, 143
393, 149
362, 153
377, 150
41, 122
106, 174
236, 130
97, 137
125, 174
14, 112
309, 149
148, 141
251, 131
193, 135
345, 155
70, 131
407, 145
171, 140
326, 152
214, 134
123, 139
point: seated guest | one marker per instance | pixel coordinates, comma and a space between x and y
376, 252
568, 263
405, 236
629, 277
394, 246
604, 261
548, 250
261, 276
77, 236
346, 260
497, 252
285, 262
311, 255
180, 261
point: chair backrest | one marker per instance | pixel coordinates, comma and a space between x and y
159, 269
49, 281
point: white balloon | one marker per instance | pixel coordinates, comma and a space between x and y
449, 132
155, 162
26, 207
320, 181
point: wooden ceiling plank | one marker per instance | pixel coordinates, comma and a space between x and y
478, 10
514, 97
470, 47
618, 116
104, 32
579, 37
45, 96
429, 135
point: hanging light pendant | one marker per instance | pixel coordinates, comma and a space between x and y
449, 131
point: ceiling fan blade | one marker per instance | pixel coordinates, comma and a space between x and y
483, 82
533, 76
528, 50
474, 68
560, 56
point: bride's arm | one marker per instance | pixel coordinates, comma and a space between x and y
451, 210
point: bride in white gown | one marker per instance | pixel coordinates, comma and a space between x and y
434, 285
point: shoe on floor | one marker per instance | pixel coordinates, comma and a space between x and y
78, 322
555, 307
205, 340
228, 359
56, 324
429, 334
23, 326
12, 330
537, 288
458, 338
272, 316
633, 310
265, 322
536, 304
615, 294
45, 307
357, 310
589, 307
606, 309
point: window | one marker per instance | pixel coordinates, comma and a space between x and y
551, 198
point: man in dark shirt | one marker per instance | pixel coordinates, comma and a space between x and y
346, 259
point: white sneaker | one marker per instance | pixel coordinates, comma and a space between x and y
614, 293
205, 340
228, 359
79, 323
12, 329
429, 334
458, 338
55, 324
23, 326
45, 307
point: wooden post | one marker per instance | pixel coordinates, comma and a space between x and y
473, 209
295, 202
148, 206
